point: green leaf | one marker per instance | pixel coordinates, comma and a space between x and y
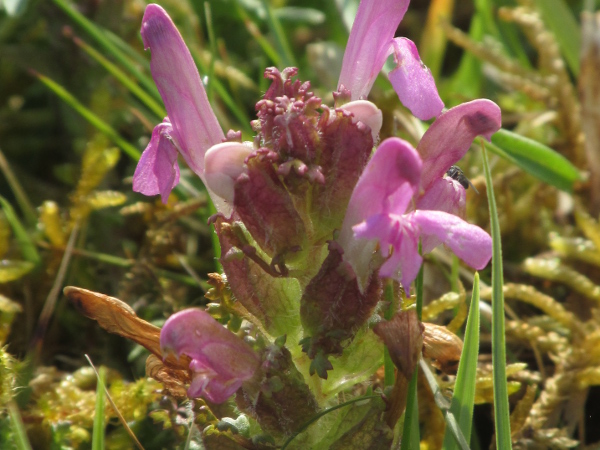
537, 159
358, 362
334, 426
463, 398
501, 410
559, 18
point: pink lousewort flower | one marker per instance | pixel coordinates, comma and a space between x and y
191, 126
379, 212
370, 43
221, 361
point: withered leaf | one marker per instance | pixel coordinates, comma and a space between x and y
173, 380
443, 346
403, 336
117, 317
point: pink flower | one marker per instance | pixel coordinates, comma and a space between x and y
379, 212
221, 361
445, 142
370, 43
191, 126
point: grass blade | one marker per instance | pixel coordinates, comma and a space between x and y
19, 433
25, 242
123, 78
98, 431
287, 57
537, 159
101, 38
442, 403
559, 18
501, 410
463, 398
88, 115
410, 432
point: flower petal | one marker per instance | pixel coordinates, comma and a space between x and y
399, 233
413, 82
450, 136
195, 125
221, 360
469, 242
444, 194
367, 49
367, 113
157, 171
223, 164
387, 185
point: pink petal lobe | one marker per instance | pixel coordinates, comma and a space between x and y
451, 135
367, 49
386, 185
195, 125
444, 194
367, 113
157, 171
220, 359
469, 242
224, 163
413, 81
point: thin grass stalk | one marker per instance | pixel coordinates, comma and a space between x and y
283, 47
123, 78
21, 439
501, 409
388, 364
26, 207
410, 433
98, 430
213, 50
91, 117
98, 34
24, 241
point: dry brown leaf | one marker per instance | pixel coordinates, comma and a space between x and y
403, 336
117, 317
443, 346
173, 380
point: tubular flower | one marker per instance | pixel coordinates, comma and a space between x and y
221, 361
191, 126
370, 43
379, 212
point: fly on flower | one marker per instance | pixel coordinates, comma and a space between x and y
457, 174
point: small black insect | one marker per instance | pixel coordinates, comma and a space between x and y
457, 174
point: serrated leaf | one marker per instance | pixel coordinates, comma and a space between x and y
536, 159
